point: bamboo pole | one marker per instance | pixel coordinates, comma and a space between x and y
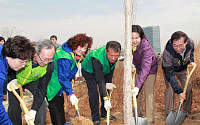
128, 113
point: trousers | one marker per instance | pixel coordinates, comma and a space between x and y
56, 109
94, 96
169, 93
148, 88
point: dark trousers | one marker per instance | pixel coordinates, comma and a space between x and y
94, 96
14, 109
56, 109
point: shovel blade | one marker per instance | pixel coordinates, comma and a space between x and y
141, 121
175, 119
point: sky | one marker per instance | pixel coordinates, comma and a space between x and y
103, 20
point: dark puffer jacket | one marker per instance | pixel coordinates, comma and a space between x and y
173, 62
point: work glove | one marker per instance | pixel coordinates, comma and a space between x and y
135, 90
110, 86
107, 104
31, 117
13, 83
73, 99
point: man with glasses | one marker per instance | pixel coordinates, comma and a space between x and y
14, 54
178, 53
34, 77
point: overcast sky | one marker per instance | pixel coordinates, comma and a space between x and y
101, 19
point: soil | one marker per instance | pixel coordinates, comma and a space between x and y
80, 89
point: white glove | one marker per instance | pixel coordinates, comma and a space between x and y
31, 117
110, 86
13, 83
135, 90
107, 104
73, 99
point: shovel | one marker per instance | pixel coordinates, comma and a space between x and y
109, 87
137, 120
77, 109
21, 101
177, 117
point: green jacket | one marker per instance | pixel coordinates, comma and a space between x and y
30, 74
54, 85
99, 54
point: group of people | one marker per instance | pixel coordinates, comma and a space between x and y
47, 69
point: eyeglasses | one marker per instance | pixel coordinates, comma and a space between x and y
45, 60
21, 62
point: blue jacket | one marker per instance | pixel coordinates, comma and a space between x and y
4, 119
65, 74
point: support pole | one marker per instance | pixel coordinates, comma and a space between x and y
128, 112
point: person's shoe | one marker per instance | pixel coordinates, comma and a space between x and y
4, 97
191, 116
96, 123
112, 117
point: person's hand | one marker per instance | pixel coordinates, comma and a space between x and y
73, 99
110, 86
135, 90
31, 116
192, 63
107, 104
181, 96
13, 83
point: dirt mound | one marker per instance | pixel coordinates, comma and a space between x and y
81, 121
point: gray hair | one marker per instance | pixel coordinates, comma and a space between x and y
48, 44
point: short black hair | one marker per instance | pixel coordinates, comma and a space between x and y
114, 45
18, 47
177, 35
53, 36
1, 38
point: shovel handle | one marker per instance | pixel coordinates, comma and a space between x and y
108, 116
133, 86
108, 110
189, 74
22, 103
77, 109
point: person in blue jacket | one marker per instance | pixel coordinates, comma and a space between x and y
66, 61
15, 53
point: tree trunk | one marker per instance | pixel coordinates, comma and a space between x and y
128, 112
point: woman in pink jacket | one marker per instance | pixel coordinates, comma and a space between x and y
146, 65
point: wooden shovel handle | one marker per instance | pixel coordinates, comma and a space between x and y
22, 104
77, 109
189, 74
108, 110
133, 86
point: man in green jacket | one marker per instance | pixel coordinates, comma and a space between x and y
97, 69
35, 77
